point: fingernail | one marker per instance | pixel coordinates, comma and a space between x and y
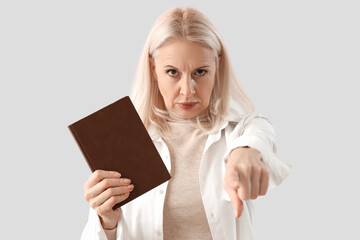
117, 174
130, 186
127, 181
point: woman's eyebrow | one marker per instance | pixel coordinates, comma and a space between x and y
170, 66
205, 66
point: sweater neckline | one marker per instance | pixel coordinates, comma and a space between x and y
173, 118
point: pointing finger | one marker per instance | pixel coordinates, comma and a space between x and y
237, 203
231, 184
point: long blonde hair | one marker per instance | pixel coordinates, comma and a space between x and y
189, 24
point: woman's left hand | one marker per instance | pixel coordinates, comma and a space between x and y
246, 177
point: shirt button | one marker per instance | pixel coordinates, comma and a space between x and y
161, 191
212, 215
157, 233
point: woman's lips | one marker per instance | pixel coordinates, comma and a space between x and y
187, 105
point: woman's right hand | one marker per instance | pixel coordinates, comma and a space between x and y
103, 190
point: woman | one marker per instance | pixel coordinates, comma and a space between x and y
219, 158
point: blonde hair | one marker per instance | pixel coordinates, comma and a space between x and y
189, 24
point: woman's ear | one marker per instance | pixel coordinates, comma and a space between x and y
152, 66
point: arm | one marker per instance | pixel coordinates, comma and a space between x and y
111, 233
103, 190
250, 163
94, 231
255, 131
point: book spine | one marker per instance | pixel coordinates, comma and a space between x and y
73, 133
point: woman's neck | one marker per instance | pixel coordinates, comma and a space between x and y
175, 118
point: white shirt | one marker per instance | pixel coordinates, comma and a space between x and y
142, 218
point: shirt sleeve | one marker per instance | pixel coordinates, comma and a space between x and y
94, 231
256, 131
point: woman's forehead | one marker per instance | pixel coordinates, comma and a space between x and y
182, 52
180, 61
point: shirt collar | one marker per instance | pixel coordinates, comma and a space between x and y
154, 134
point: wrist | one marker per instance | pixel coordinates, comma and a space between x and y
244, 151
108, 224
238, 148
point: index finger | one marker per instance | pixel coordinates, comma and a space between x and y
232, 185
237, 202
98, 176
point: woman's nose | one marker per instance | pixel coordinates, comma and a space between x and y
187, 85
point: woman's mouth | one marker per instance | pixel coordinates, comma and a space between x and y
187, 105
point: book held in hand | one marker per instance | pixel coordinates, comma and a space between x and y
114, 138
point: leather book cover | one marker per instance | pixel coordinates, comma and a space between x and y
114, 138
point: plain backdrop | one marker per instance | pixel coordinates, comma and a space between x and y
297, 60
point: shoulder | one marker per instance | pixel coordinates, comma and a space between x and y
246, 118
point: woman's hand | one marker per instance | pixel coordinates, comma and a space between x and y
103, 190
246, 177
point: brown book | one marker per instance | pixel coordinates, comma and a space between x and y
114, 138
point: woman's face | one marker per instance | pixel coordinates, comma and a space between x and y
185, 73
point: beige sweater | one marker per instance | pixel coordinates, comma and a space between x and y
184, 215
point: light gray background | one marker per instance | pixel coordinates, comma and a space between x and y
298, 61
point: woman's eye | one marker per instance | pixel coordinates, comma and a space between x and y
172, 72
201, 72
